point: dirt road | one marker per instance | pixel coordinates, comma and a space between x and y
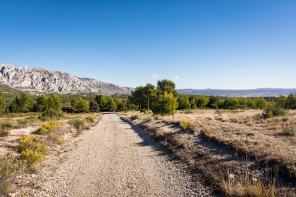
113, 159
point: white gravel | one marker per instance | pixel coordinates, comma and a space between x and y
113, 159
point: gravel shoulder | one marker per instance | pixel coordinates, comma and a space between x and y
114, 159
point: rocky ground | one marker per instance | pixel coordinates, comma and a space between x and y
114, 159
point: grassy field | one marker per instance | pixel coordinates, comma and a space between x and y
238, 151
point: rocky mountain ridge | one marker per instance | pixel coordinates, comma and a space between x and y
259, 92
43, 80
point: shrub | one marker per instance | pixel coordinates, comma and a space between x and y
4, 133
274, 111
55, 138
6, 125
10, 167
290, 131
90, 119
51, 114
144, 110
68, 109
23, 121
162, 132
134, 117
77, 124
31, 149
147, 119
188, 112
185, 125
175, 141
156, 117
219, 111
46, 128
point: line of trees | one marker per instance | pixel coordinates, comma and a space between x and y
162, 99
216, 102
24, 102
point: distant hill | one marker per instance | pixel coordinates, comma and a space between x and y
260, 92
42, 80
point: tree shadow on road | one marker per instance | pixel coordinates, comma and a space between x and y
149, 140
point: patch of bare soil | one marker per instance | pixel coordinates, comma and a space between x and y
8, 142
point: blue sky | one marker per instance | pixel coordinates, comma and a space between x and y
224, 44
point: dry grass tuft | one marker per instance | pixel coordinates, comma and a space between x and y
162, 132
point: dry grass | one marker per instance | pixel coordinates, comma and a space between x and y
269, 143
162, 132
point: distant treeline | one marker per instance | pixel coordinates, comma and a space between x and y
162, 99
23, 102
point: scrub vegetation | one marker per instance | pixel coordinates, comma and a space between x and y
241, 146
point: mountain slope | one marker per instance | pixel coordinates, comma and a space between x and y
261, 92
42, 80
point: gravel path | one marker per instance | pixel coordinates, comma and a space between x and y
113, 159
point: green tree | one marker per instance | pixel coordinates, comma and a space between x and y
2, 103
184, 102
102, 101
291, 102
166, 104
74, 104
250, 103
166, 85
192, 100
93, 106
260, 103
111, 106
202, 101
25, 102
230, 103
214, 102
149, 90
14, 107
281, 101
82, 105
122, 106
53, 102
41, 103
139, 97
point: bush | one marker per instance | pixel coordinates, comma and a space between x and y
68, 109
6, 125
4, 133
147, 119
31, 149
55, 138
188, 112
162, 132
185, 125
77, 124
290, 131
46, 128
144, 110
274, 111
23, 121
90, 119
156, 117
134, 117
51, 114
10, 167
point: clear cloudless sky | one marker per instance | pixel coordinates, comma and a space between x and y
224, 44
